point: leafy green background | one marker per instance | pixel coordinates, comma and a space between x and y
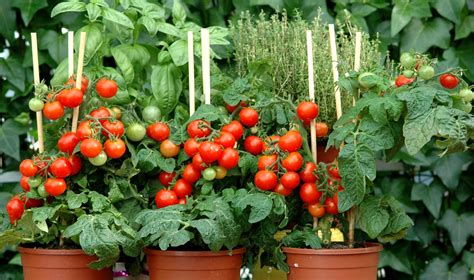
434, 191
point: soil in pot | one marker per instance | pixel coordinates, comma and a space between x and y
336, 264
195, 265
58, 264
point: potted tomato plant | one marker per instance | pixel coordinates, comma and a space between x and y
419, 108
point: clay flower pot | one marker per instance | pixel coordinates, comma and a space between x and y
56, 264
323, 264
195, 265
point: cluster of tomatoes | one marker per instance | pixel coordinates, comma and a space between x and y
212, 153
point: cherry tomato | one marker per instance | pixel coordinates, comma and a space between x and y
293, 162
448, 81
426, 72
309, 193
15, 209
182, 188
316, 210
198, 163
90, 147
36, 104
322, 129
248, 117
99, 160
198, 129
231, 108
169, 149
71, 82
401, 80
191, 174
136, 132
114, 148
151, 113
253, 144
307, 111
76, 164
166, 178
291, 141
165, 198
280, 189
229, 158
106, 88
307, 174
209, 174
331, 206
235, 128
182, 200
266, 180
68, 142
226, 139
191, 147
84, 130
53, 110
55, 186
116, 112
210, 151
42, 165
334, 173
290, 180
272, 141
61, 168
268, 162
221, 172
71, 98
30, 202
158, 131
115, 128
102, 114
28, 168
24, 183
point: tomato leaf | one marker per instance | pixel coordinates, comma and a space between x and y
99, 201
302, 239
74, 200
260, 206
372, 217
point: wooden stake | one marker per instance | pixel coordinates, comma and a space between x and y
206, 65
80, 66
70, 53
358, 48
309, 48
36, 77
192, 102
335, 73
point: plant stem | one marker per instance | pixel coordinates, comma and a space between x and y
315, 223
351, 217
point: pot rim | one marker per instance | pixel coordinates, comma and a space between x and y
175, 253
42, 251
371, 247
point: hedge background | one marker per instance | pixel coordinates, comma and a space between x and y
437, 193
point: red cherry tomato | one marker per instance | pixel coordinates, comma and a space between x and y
293, 162
334, 173
28, 168
71, 98
84, 130
68, 142
55, 186
115, 128
53, 110
307, 174
32, 203
90, 148
402, 80
290, 180
210, 151
191, 147
182, 200
71, 83
166, 178
253, 144
106, 88
198, 163
198, 129
331, 206
15, 209
235, 128
24, 183
316, 210
114, 148
158, 131
169, 149
309, 193
190, 174
307, 111
182, 188
165, 198
448, 81
248, 117
280, 189
229, 158
226, 139
268, 162
102, 114
291, 141
76, 164
322, 129
266, 180
272, 141
61, 168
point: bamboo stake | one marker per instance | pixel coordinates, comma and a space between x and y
80, 66
335, 73
206, 72
309, 49
36, 77
192, 102
358, 48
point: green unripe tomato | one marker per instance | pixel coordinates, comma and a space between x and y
467, 107
34, 181
42, 191
36, 104
254, 130
135, 132
222, 110
99, 160
367, 80
407, 60
467, 95
151, 114
408, 73
426, 72
209, 174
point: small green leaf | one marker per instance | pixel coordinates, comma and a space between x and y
431, 196
7, 20
74, 200
167, 86
116, 17
71, 6
124, 64
405, 10
459, 227
94, 40
29, 8
438, 269
13, 71
449, 168
93, 11
99, 202
178, 12
371, 217
179, 52
465, 28
261, 206
210, 232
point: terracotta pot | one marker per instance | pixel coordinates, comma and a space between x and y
326, 156
335, 264
55, 264
195, 265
